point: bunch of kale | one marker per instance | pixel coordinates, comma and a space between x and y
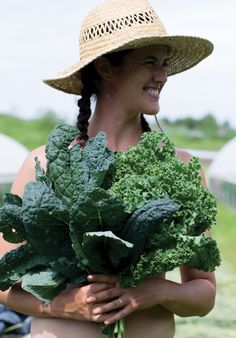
96, 211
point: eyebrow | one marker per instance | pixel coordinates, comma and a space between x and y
150, 57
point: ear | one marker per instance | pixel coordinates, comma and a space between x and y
104, 68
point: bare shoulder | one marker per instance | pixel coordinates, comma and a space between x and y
27, 170
185, 156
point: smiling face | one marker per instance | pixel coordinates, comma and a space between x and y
136, 85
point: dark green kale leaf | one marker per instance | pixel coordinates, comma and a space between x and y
97, 210
11, 223
144, 222
44, 283
16, 263
58, 164
45, 217
104, 251
73, 171
91, 165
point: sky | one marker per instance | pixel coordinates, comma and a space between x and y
39, 39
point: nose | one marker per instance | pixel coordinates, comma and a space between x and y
160, 75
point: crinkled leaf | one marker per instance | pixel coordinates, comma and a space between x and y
45, 217
58, 164
12, 199
165, 174
11, 224
97, 210
90, 165
40, 174
206, 255
67, 266
43, 283
142, 224
104, 251
75, 170
156, 261
15, 263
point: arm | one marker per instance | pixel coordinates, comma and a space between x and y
194, 296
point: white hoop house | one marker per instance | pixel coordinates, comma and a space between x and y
222, 174
12, 155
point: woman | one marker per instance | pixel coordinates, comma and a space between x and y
126, 56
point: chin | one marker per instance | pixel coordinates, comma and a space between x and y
151, 112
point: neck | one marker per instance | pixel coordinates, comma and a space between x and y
122, 129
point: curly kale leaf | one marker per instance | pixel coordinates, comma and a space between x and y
206, 255
152, 170
199, 252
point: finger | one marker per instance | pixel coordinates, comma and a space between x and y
104, 296
98, 287
119, 315
110, 279
102, 317
116, 304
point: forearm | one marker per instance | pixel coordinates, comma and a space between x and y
21, 301
191, 298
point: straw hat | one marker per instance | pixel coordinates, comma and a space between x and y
120, 24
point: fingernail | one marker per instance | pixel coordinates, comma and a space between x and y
96, 311
91, 299
106, 322
90, 277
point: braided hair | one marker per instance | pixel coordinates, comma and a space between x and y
88, 78
91, 83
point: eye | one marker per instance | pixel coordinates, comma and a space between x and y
165, 63
150, 62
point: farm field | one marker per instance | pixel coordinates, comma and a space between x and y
221, 322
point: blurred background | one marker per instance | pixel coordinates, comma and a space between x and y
198, 110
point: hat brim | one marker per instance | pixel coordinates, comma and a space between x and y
185, 52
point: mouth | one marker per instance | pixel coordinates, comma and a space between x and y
152, 92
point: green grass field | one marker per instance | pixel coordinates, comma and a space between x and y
221, 322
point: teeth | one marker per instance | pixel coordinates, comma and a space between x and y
152, 92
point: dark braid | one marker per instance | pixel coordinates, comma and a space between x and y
145, 124
88, 77
83, 117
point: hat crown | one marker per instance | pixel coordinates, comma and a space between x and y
112, 17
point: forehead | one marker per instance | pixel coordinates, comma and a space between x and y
158, 51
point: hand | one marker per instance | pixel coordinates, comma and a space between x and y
72, 303
120, 302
